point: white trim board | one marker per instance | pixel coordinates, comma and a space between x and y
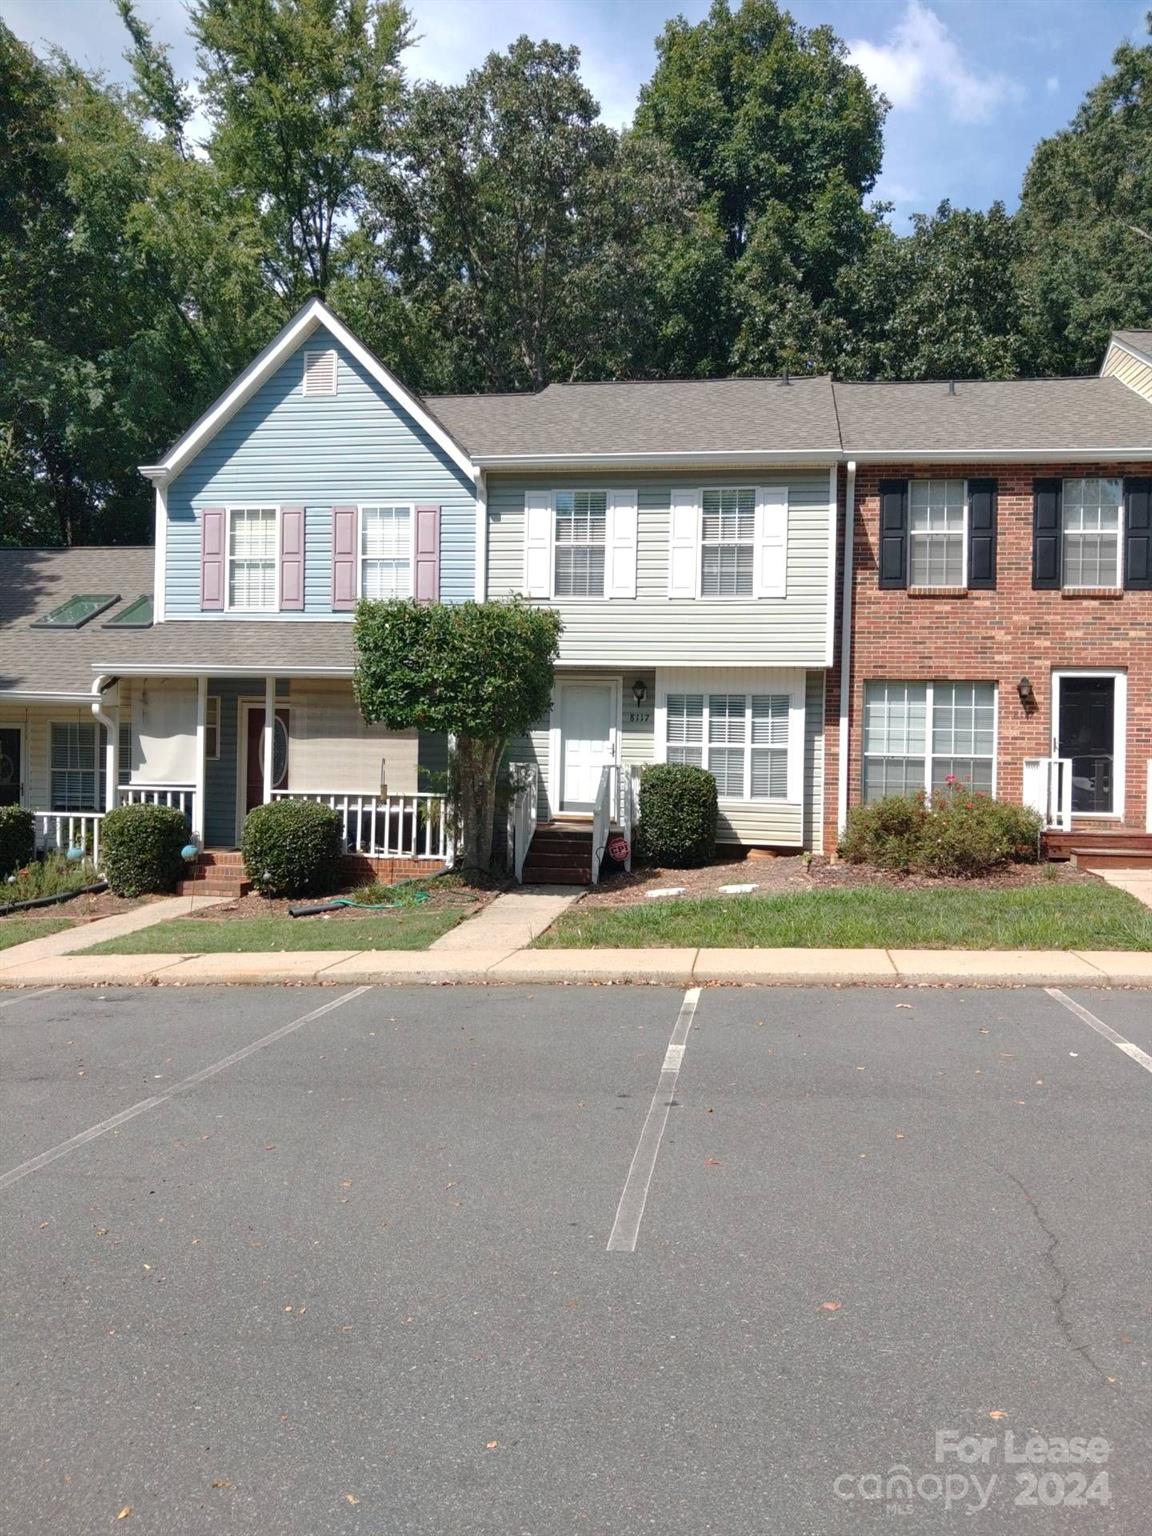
313, 316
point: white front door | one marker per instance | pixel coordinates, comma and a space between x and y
586, 741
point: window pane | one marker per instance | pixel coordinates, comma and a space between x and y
74, 766
252, 557
972, 772
936, 528
963, 719
579, 570
1091, 513
386, 553
770, 719
728, 529
729, 515
892, 776
770, 774
726, 570
727, 767
581, 516
895, 719
726, 717
685, 717
692, 755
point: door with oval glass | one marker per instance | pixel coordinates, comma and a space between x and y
10, 744
254, 755
587, 742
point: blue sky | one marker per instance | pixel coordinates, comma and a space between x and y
973, 83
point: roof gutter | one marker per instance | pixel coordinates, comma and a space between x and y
842, 739
213, 669
818, 457
1000, 455
39, 696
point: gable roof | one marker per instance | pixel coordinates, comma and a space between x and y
648, 419
312, 317
1136, 341
1065, 418
58, 663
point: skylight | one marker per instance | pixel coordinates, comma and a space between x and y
137, 615
76, 612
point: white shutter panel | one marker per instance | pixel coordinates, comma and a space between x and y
537, 544
620, 578
684, 544
771, 569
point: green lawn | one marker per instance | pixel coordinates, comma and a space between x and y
1034, 917
404, 929
18, 930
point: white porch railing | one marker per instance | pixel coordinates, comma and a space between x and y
67, 831
628, 809
522, 812
603, 809
387, 826
180, 796
1048, 790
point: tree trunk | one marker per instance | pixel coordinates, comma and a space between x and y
477, 765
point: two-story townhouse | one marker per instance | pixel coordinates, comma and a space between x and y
996, 605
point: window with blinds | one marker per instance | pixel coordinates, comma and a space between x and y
385, 552
581, 519
742, 739
74, 766
728, 543
252, 558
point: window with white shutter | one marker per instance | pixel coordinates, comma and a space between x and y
579, 543
385, 553
728, 543
252, 557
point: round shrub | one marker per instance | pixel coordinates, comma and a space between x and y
677, 815
293, 848
886, 833
961, 832
140, 848
17, 838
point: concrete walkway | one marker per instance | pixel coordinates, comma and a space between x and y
1137, 882
510, 922
84, 935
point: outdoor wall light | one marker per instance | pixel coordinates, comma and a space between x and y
1024, 689
639, 690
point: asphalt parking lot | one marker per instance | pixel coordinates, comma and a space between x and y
295, 1261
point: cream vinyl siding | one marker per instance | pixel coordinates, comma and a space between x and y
534, 748
33, 723
331, 747
1129, 370
655, 630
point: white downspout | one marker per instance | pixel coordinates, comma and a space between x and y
111, 741
846, 650
481, 573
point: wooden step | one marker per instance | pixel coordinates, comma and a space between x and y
1062, 845
213, 887
556, 876
1114, 858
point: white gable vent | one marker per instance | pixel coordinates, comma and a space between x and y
320, 372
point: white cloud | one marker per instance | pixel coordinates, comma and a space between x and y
1052, 85
922, 61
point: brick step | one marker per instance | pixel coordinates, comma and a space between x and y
222, 860
219, 887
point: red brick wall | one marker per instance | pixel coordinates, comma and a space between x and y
998, 636
359, 867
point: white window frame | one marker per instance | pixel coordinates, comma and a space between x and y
1119, 733
311, 352
930, 685
98, 767
751, 684
950, 586
555, 543
250, 506
770, 538
702, 544
410, 508
1071, 586
212, 723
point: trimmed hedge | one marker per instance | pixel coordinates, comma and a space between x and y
141, 849
677, 815
960, 832
17, 839
293, 848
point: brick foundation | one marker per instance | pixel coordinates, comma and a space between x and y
999, 636
360, 869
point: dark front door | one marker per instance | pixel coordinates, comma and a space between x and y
9, 765
1086, 733
255, 785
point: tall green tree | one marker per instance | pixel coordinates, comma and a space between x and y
303, 96
519, 229
1086, 213
784, 138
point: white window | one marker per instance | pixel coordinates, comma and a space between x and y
75, 768
920, 736
742, 739
937, 533
320, 371
385, 552
212, 727
728, 543
1092, 521
252, 540
581, 521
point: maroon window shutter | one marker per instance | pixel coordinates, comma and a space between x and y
343, 559
213, 532
427, 583
291, 558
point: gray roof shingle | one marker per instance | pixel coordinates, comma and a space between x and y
986, 416
255, 646
1141, 340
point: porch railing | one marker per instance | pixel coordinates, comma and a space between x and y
179, 796
386, 826
1048, 790
628, 808
604, 807
69, 832
523, 809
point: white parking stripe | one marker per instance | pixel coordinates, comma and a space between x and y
27, 997
1141, 1058
630, 1211
42, 1161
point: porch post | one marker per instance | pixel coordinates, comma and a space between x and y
201, 777
112, 759
269, 735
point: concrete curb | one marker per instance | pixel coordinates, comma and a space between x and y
664, 967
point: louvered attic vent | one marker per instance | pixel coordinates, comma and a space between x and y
320, 372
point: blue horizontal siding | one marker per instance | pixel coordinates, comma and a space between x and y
287, 449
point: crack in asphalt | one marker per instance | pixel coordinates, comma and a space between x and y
1059, 1296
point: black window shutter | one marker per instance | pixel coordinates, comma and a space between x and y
982, 534
893, 533
1138, 534
1046, 541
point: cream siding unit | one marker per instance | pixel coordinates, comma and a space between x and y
534, 747
1130, 370
814, 704
653, 629
33, 721
331, 747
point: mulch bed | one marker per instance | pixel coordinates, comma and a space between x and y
794, 872
449, 898
86, 909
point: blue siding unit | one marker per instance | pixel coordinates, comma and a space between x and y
284, 448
